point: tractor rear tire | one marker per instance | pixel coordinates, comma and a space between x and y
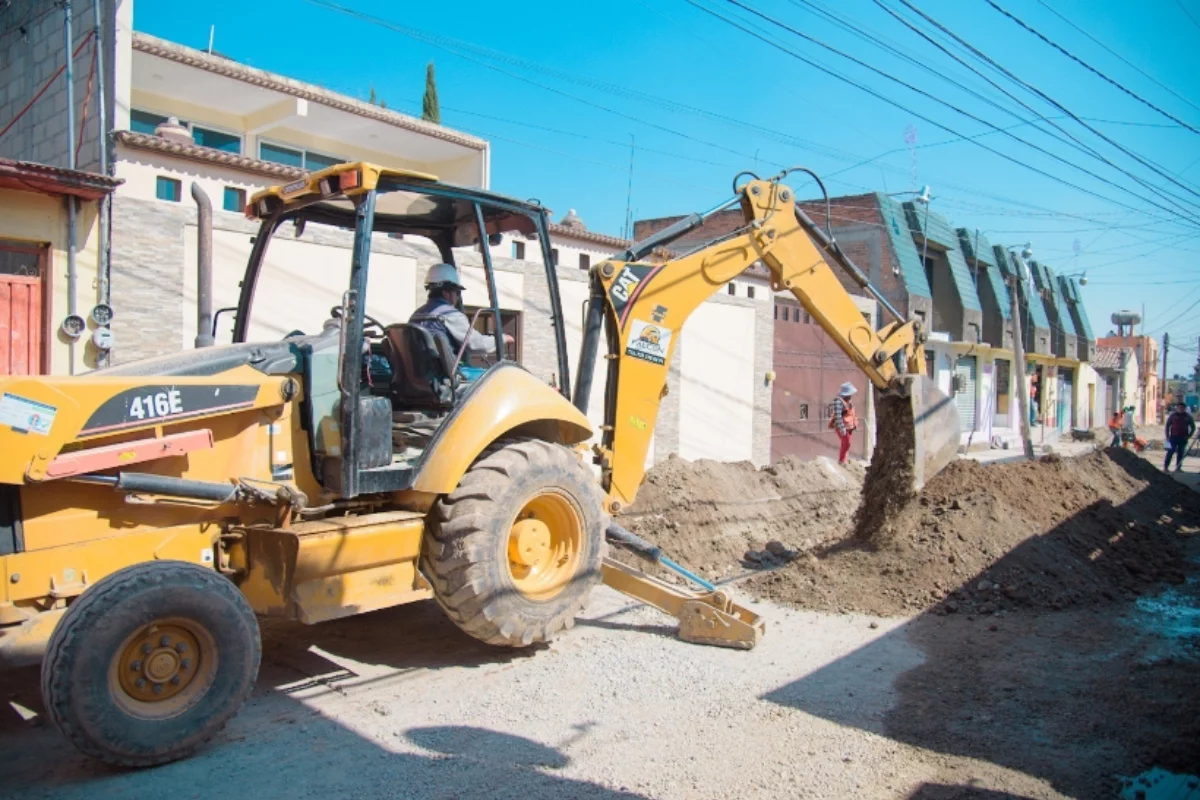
515, 550
151, 662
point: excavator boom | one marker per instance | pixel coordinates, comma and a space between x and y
640, 306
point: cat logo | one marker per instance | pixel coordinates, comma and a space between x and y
625, 285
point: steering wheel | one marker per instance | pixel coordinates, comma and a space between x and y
368, 322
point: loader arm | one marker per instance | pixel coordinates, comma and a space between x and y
641, 307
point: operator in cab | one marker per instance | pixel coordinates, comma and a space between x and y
442, 313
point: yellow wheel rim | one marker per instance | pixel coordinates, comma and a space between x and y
163, 668
545, 544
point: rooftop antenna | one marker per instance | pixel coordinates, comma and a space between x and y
212, 32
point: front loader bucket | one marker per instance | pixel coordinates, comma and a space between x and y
917, 424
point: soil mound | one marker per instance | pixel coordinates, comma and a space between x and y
1045, 534
707, 514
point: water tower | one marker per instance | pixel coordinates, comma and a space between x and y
1126, 321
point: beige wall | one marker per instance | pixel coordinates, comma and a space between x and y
41, 219
299, 283
716, 418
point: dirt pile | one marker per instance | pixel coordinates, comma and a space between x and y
708, 514
1048, 534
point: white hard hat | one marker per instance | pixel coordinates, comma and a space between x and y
847, 389
442, 275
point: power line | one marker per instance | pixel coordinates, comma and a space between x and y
1079, 145
876, 94
1145, 74
1046, 98
893, 50
1089, 67
1183, 8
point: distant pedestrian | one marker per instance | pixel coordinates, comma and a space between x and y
843, 420
1115, 423
1180, 427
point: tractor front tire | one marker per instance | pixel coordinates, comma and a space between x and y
515, 550
151, 662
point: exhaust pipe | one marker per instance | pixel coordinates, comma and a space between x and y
204, 304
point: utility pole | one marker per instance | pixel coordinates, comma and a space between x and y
1019, 370
1162, 389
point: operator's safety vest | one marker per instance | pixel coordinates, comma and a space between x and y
430, 317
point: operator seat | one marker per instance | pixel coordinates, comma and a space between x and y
422, 367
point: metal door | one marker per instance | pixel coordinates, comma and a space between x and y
22, 327
809, 369
964, 395
1066, 400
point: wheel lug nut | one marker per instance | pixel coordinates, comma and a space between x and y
181, 647
164, 641
146, 648
135, 666
140, 683
185, 663
158, 687
175, 681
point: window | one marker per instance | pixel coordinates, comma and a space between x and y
148, 122
776, 312
485, 323
804, 411
750, 292
206, 137
144, 121
315, 161
281, 155
807, 318
585, 261
235, 200
168, 189
732, 290
518, 251
554, 256
295, 157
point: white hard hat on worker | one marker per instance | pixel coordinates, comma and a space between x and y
442, 275
847, 390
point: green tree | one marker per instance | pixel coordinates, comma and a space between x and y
371, 99
429, 105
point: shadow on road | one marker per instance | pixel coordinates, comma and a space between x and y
1072, 697
280, 747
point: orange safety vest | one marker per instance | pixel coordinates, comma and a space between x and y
1116, 422
849, 418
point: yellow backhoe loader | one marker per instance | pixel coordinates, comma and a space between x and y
152, 511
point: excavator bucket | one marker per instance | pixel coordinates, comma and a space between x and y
710, 618
918, 430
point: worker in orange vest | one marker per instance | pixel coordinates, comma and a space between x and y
1114, 426
843, 419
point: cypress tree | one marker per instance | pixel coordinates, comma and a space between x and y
429, 105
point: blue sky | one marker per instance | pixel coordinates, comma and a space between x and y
561, 89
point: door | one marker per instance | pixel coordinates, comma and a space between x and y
1003, 385
809, 369
965, 378
22, 321
1066, 400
